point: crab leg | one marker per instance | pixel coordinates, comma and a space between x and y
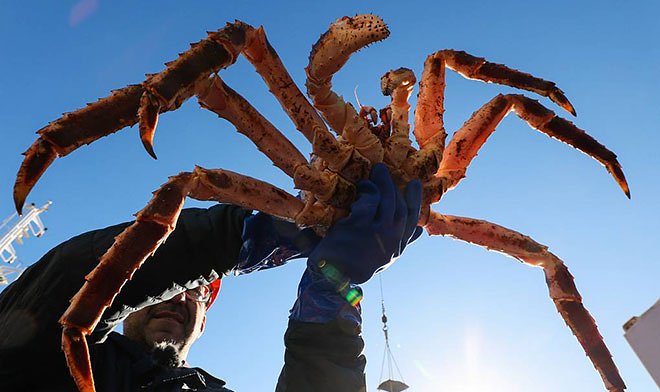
468, 140
344, 37
406, 162
142, 103
429, 125
398, 84
268, 65
84, 126
213, 94
171, 87
560, 282
152, 226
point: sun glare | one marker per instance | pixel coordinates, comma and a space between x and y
474, 369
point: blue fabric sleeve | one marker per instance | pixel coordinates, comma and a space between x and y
319, 302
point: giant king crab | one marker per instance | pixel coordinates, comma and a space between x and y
327, 181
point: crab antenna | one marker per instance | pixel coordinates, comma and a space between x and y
356, 96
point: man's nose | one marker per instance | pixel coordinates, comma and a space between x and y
181, 297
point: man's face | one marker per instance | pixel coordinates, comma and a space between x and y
179, 320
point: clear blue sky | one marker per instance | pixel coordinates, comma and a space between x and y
462, 319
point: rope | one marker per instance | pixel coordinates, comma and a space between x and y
387, 353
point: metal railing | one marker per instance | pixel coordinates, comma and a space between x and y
29, 223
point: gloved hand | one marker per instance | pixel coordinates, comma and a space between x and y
270, 242
381, 223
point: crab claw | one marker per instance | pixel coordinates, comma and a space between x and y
346, 36
148, 114
37, 159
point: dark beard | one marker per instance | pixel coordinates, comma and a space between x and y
166, 354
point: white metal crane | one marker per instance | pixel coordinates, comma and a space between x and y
29, 223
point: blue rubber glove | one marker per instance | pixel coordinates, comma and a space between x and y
270, 242
381, 223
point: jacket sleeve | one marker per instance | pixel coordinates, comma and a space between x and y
204, 245
323, 357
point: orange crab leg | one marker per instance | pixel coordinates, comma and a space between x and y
339, 156
398, 85
84, 126
406, 162
429, 124
213, 94
168, 89
560, 282
468, 140
266, 62
269, 66
142, 103
152, 226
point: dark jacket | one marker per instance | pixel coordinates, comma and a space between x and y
205, 245
132, 368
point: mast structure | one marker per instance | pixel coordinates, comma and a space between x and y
29, 223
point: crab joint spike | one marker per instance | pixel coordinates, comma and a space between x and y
148, 114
